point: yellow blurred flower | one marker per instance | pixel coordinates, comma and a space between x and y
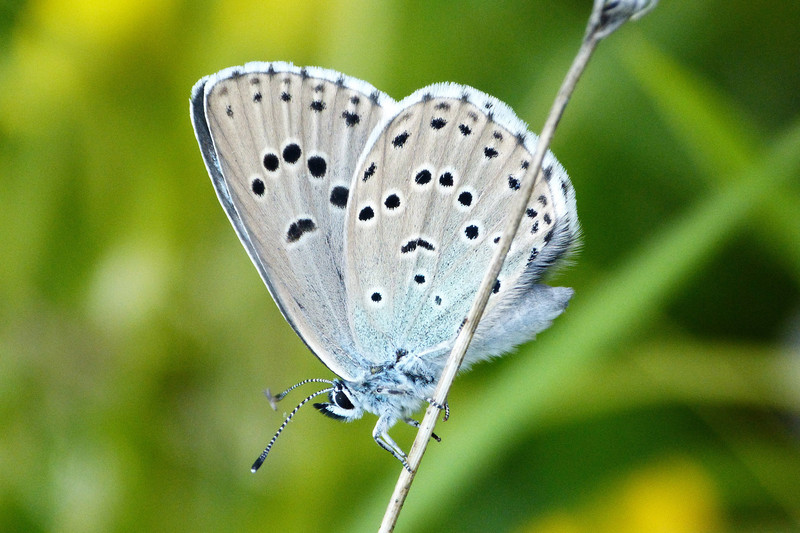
673, 496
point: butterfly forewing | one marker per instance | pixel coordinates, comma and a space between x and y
436, 187
282, 146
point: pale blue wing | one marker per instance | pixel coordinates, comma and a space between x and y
437, 181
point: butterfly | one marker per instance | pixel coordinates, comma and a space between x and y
373, 221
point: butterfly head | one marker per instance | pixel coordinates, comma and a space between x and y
342, 405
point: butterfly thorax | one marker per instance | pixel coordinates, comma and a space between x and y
392, 391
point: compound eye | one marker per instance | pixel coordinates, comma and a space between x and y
341, 399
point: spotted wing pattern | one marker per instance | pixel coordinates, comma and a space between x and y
281, 144
431, 196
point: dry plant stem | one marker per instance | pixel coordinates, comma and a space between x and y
479, 304
595, 32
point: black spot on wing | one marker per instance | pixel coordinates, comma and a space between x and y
271, 162
392, 201
292, 153
409, 247
423, 177
366, 213
339, 196
300, 227
412, 245
369, 172
438, 123
350, 119
400, 139
317, 166
258, 187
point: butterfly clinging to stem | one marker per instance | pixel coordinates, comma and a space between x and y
372, 222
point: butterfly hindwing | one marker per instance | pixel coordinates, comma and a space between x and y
281, 144
431, 196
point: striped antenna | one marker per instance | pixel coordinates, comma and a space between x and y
273, 400
263, 456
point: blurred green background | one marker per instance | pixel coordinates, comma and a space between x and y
136, 336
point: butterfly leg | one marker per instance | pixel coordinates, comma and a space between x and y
381, 436
445, 407
413, 423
